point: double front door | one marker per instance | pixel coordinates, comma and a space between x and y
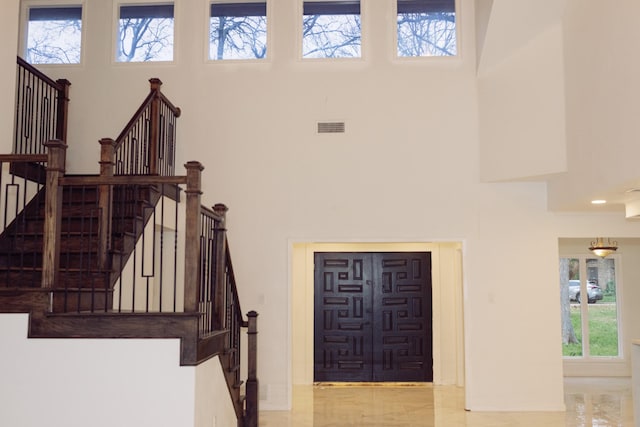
372, 317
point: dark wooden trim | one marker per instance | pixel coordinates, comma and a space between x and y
17, 158
212, 345
123, 180
192, 236
21, 300
52, 214
251, 415
183, 326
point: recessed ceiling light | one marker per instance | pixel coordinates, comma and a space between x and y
598, 202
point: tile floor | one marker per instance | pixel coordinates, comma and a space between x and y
590, 402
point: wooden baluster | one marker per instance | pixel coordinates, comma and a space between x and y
105, 200
251, 415
192, 236
154, 127
220, 291
52, 213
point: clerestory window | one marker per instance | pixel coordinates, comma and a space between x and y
426, 28
238, 31
331, 29
145, 33
54, 35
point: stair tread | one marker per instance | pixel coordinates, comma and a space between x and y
62, 269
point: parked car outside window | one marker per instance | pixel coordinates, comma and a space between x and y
593, 291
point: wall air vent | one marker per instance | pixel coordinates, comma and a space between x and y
331, 127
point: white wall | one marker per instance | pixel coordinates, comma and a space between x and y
9, 25
102, 383
213, 406
602, 64
522, 112
406, 170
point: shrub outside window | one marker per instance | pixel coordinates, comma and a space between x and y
426, 28
54, 35
238, 31
145, 33
331, 29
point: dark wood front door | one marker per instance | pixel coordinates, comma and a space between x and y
372, 317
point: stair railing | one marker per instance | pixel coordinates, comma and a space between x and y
147, 144
143, 156
41, 109
21, 188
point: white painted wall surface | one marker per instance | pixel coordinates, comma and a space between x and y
213, 406
602, 64
91, 382
522, 112
9, 25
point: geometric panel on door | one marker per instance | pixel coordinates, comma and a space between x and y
372, 316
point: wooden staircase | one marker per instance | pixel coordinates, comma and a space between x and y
67, 240
86, 280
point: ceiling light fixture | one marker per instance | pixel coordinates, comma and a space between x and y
598, 202
602, 248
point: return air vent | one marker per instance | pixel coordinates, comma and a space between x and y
331, 127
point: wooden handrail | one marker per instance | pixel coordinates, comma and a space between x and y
153, 93
39, 74
146, 145
41, 109
134, 118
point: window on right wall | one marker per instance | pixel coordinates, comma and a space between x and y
589, 290
427, 28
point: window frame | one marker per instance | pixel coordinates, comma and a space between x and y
269, 45
429, 58
117, 5
327, 4
23, 26
586, 356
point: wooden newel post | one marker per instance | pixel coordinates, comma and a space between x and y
154, 126
63, 108
251, 417
53, 212
192, 236
105, 196
220, 300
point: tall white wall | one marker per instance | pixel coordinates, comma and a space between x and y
602, 64
407, 169
522, 112
9, 25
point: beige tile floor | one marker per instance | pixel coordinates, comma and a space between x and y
590, 402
